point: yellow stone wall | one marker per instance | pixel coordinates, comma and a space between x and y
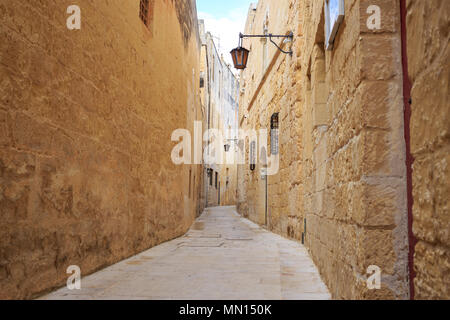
86, 117
228, 184
429, 68
342, 145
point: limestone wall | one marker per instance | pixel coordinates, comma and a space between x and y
228, 184
86, 118
269, 86
429, 67
358, 209
342, 178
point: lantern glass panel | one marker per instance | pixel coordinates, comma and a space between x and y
240, 57
245, 57
234, 56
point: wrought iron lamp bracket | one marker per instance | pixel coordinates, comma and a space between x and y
270, 36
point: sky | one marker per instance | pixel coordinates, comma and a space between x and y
224, 19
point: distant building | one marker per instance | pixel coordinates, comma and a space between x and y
220, 98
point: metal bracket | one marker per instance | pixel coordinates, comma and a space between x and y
270, 36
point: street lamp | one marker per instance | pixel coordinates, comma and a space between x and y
240, 57
240, 54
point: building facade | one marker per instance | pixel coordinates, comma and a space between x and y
86, 117
428, 57
220, 96
344, 185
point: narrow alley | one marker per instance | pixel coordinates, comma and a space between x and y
223, 256
235, 150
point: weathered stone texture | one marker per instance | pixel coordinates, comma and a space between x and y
429, 70
85, 123
342, 178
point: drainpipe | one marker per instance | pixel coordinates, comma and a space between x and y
409, 158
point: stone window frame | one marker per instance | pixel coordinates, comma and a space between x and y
332, 27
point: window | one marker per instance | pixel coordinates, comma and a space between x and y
334, 15
210, 176
274, 127
253, 155
144, 11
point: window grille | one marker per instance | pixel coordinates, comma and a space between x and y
274, 129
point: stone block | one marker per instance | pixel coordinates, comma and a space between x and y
5, 136
424, 204
378, 205
432, 265
389, 15
321, 115
375, 247
31, 134
379, 57
430, 119
427, 34
380, 154
377, 99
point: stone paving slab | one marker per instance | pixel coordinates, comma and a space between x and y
222, 257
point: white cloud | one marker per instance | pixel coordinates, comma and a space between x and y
226, 29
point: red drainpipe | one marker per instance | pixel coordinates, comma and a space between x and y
409, 158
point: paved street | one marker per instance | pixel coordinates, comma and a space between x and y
223, 256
